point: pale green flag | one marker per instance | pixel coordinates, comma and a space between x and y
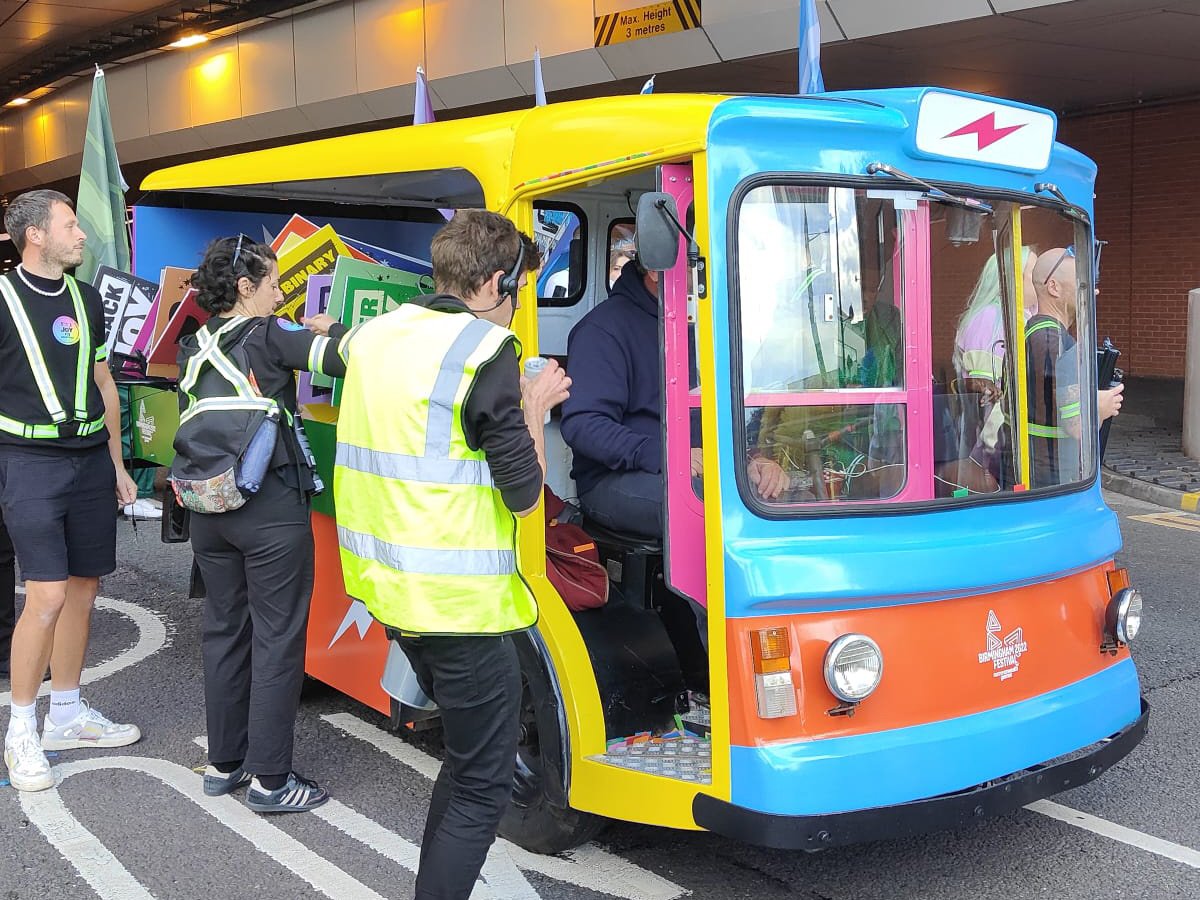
101, 206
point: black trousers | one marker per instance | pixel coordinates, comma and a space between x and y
8, 595
257, 563
476, 681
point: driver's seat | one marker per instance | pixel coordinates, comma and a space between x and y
633, 561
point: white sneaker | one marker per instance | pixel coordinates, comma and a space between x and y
28, 768
144, 508
88, 729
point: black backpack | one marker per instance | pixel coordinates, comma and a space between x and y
227, 429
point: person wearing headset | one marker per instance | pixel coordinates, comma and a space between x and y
435, 458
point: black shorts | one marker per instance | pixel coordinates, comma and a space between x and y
61, 510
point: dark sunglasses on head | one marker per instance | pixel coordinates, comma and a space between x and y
237, 252
1070, 251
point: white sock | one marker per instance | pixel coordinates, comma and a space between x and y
64, 706
24, 718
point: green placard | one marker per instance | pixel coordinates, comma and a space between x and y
322, 439
363, 291
155, 413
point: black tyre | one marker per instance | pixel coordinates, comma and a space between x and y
534, 820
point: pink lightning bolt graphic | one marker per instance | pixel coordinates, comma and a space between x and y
985, 130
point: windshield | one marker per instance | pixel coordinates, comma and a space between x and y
896, 350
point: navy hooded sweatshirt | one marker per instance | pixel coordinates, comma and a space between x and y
613, 419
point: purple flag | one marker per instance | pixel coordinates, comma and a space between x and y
422, 106
539, 89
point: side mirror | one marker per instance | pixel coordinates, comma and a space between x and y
657, 237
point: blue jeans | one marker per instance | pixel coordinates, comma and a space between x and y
627, 501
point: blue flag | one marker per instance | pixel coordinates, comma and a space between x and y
811, 80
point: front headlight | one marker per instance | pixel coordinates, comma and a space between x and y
853, 667
1125, 615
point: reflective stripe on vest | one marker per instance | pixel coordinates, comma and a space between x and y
247, 396
1037, 430
426, 540
41, 372
423, 561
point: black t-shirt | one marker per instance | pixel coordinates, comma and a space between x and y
493, 420
276, 349
51, 313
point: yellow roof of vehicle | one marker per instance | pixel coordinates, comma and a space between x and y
503, 153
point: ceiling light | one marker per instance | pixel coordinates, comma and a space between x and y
18, 101
190, 40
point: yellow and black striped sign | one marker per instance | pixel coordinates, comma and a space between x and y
647, 21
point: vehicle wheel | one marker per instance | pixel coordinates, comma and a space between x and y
532, 820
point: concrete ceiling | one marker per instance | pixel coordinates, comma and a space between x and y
28, 27
1069, 57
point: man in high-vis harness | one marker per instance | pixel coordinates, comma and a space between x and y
435, 455
1053, 373
61, 479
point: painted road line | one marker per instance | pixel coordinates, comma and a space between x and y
588, 867
1183, 521
1104, 828
504, 880
112, 881
152, 637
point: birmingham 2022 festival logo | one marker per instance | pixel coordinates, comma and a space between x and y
1003, 653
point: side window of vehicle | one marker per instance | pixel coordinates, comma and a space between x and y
560, 230
621, 247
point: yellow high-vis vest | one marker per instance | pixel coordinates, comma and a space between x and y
426, 540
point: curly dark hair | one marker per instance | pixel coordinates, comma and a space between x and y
225, 261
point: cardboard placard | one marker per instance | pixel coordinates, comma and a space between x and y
316, 301
363, 291
173, 287
312, 256
297, 229
186, 319
127, 302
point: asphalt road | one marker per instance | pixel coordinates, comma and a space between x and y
133, 824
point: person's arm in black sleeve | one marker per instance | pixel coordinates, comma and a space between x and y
299, 348
494, 422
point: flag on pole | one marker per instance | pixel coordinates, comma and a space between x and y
101, 203
648, 87
811, 80
423, 115
539, 88
422, 105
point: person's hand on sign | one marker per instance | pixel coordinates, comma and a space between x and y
318, 324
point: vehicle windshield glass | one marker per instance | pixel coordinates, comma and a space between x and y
875, 358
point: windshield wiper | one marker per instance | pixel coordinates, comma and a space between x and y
935, 193
1050, 187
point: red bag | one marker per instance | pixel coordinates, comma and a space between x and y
572, 560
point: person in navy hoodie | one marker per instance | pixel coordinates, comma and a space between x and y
613, 419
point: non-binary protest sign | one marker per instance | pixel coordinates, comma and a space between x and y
127, 301
312, 256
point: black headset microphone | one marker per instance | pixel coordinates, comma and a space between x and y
510, 280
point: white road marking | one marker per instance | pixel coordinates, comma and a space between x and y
112, 881
504, 880
1113, 831
152, 637
587, 867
